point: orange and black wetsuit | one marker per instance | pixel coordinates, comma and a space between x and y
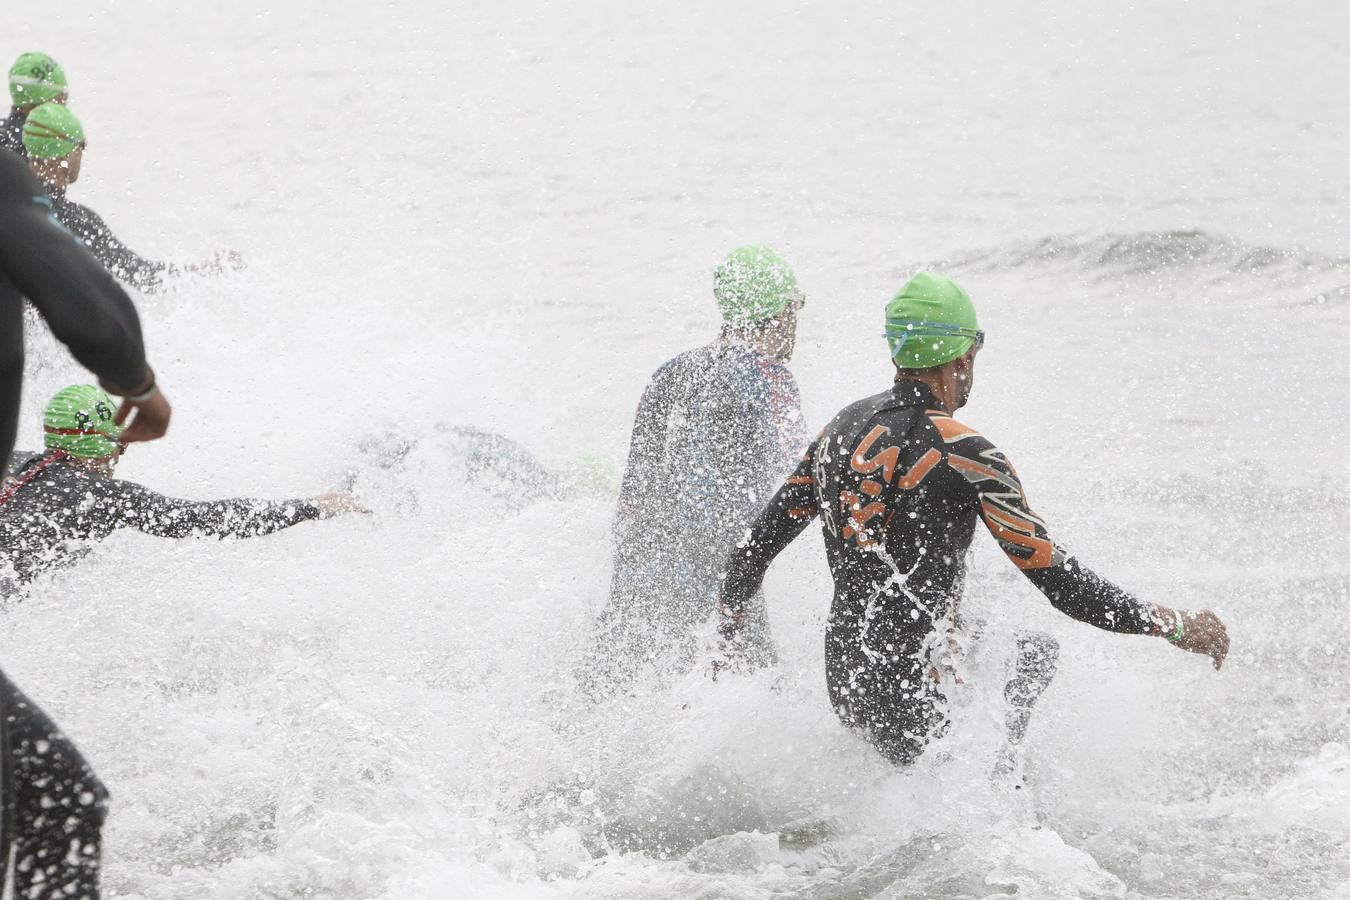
899, 485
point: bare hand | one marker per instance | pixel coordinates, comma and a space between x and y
1205, 633
337, 503
218, 262
151, 420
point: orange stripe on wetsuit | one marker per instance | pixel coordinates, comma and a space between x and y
950, 429
1009, 529
1006, 527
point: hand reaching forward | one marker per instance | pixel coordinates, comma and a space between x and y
1202, 632
337, 503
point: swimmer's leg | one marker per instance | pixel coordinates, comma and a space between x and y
1033, 668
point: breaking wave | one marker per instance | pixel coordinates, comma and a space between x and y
1150, 253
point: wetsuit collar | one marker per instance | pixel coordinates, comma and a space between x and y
915, 393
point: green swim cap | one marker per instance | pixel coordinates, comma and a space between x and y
754, 284
35, 78
79, 420
930, 322
51, 132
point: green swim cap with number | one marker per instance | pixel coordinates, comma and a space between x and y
79, 420
753, 284
51, 132
35, 78
930, 322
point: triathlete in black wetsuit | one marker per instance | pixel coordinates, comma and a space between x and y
54, 804
716, 429
899, 485
67, 494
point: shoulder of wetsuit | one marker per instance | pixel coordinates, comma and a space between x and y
689, 367
955, 433
670, 367
22, 460
869, 407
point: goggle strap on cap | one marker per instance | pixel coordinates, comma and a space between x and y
78, 432
899, 331
903, 328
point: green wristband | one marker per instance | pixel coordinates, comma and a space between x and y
1178, 629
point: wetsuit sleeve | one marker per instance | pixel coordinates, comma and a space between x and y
778, 524
645, 453
130, 505
1070, 586
82, 304
789, 421
119, 259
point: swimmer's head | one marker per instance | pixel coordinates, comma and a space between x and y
930, 323
52, 131
753, 285
36, 78
79, 421
54, 139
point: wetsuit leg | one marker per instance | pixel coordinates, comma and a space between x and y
880, 686
55, 805
1033, 668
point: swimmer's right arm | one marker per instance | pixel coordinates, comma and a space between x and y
785, 516
131, 505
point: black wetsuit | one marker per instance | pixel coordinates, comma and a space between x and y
900, 485
53, 803
124, 263
52, 501
11, 132
716, 430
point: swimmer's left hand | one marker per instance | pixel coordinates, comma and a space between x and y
1204, 633
338, 503
218, 262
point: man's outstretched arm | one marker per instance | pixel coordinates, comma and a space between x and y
124, 263
130, 505
787, 514
1070, 586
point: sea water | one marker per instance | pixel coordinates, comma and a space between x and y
505, 216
